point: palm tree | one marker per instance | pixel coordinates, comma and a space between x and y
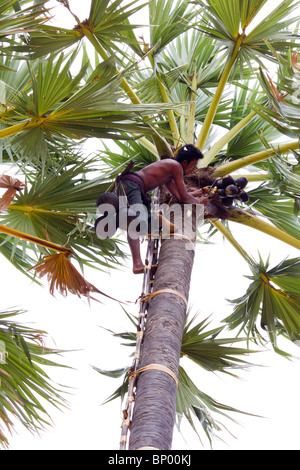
199, 78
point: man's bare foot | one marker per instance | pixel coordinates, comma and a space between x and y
138, 269
142, 269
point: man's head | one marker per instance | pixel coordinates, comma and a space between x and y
188, 156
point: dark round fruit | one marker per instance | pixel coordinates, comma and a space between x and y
222, 192
227, 201
241, 182
219, 184
108, 198
244, 196
227, 181
231, 190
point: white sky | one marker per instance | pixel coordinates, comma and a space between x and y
271, 391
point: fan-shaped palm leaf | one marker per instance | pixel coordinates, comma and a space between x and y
222, 22
278, 309
108, 21
91, 112
283, 113
279, 209
14, 22
197, 406
229, 19
26, 389
64, 277
168, 21
61, 205
205, 349
107, 24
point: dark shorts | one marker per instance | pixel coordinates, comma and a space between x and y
134, 190
135, 193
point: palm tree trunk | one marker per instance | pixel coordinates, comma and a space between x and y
154, 410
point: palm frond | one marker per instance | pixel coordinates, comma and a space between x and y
26, 389
109, 22
282, 113
208, 351
277, 310
228, 20
199, 409
64, 277
60, 204
15, 255
277, 208
168, 21
12, 185
20, 22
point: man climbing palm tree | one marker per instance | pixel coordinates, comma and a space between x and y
169, 172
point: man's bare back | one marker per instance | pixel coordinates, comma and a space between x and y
170, 173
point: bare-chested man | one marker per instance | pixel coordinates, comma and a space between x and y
169, 172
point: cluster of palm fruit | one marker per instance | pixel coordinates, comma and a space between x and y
229, 189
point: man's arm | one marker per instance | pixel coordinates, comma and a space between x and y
177, 187
173, 189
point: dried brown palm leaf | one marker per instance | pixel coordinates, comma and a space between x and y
12, 185
295, 62
64, 277
278, 97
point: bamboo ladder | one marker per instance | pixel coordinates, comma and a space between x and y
151, 259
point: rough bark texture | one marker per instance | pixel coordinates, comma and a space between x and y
154, 409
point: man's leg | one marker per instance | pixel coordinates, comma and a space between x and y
133, 194
134, 245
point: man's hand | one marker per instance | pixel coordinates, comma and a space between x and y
197, 192
202, 200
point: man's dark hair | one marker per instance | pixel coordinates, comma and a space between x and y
189, 153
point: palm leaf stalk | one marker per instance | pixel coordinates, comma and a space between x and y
165, 98
220, 144
250, 220
205, 129
229, 167
228, 235
32, 239
189, 139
